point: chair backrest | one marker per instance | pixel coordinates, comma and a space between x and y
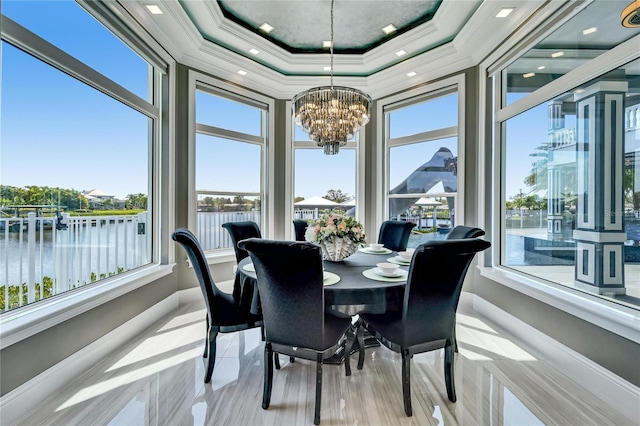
433, 288
460, 232
291, 291
300, 227
241, 231
394, 234
191, 245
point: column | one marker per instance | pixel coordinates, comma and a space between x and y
555, 198
599, 232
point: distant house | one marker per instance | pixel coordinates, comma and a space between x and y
100, 200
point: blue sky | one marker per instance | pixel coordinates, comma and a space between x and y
56, 131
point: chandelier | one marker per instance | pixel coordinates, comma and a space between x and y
331, 115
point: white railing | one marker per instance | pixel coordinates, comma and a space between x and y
210, 232
39, 259
306, 214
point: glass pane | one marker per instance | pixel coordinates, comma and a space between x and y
214, 210
561, 167
590, 33
75, 165
227, 165
433, 114
317, 176
80, 35
427, 168
227, 114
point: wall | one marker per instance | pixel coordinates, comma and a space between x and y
615, 353
26, 359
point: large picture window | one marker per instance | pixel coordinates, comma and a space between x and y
78, 139
230, 146
422, 143
323, 183
570, 195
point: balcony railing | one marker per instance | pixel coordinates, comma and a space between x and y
44, 256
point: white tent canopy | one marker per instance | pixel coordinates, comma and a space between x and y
316, 201
424, 201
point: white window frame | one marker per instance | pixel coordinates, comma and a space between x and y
21, 323
611, 316
455, 84
213, 86
294, 144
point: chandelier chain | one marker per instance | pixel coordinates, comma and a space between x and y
331, 47
331, 115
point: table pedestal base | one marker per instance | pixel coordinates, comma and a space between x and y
338, 357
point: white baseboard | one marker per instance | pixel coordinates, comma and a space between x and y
613, 389
16, 403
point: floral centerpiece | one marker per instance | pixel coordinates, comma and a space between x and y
337, 234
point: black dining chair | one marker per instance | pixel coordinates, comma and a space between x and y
292, 296
241, 231
461, 231
428, 314
394, 234
300, 228
223, 316
457, 233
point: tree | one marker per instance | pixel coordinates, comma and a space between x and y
336, 195
136, 201
295, 200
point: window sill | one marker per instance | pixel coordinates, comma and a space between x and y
220, 256
610, 316
30, 320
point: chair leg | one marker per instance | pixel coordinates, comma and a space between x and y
276, 360
206, 346
406, 381
360, 339
262, 332
448, 372
316, 417
453, 338
268, 375
210, 349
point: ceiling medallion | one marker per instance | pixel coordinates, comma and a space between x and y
331, 115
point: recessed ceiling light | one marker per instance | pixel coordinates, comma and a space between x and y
326, 44
505, 12
155, 10
401, 52
389, 29
327, 68
578, 91
541, 67
254, 51
266, 28
557, 54
590, 30
411, 74
529, 74
242, 72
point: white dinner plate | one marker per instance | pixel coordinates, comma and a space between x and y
398, 273
398, 260
371, 251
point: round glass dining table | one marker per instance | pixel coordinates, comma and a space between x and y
354, 293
